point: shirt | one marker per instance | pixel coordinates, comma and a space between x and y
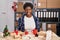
29, 23
21, 25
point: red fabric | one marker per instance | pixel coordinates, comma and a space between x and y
34, 31
26, 32
16, 32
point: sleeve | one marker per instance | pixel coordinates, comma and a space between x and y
38, 25
19, 24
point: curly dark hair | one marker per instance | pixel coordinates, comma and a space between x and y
28, 5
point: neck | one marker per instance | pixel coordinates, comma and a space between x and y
29, 15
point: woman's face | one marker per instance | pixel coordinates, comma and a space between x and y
28, 10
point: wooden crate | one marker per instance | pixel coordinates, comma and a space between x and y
20, 7
53, 27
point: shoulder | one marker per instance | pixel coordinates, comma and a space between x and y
22, 16
35, 17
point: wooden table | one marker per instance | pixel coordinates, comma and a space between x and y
41, 33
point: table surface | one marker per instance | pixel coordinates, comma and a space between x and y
42, 33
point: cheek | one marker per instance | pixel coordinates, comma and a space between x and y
30, 11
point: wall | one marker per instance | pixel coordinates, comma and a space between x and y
3, 16
49, 3
6, 15
10, 15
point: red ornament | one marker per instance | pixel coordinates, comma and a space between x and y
34, 31
16, 32
26, 32
14, 6
14, 3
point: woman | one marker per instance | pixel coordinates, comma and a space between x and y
28, 21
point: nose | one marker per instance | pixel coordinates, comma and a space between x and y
27, 11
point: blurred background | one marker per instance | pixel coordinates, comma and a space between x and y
47, 11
